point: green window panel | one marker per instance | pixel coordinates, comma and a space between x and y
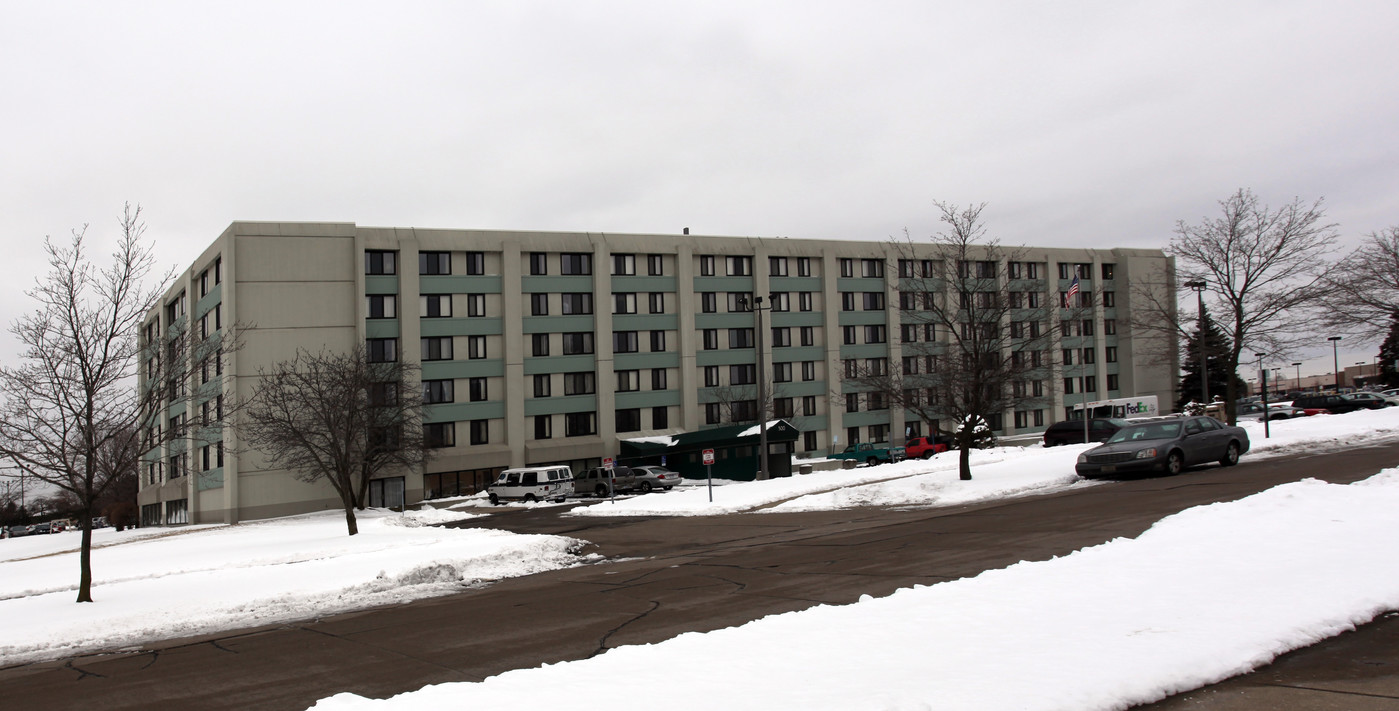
464, 411
445, 369
727, 320
559, 364
867, 350
555, 283
864, 419
380, 284
727, 357
560, 405
863, 318
208, 301
645, 322
642, 361
643, 283
648, 398
459, 284
800, 318
212, 479
723, 283
381, 328
431, 327
794, 283
558, 324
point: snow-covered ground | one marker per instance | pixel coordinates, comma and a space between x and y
1203, 595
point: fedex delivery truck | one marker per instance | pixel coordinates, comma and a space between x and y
1124, 408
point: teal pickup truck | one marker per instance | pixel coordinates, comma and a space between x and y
871, 454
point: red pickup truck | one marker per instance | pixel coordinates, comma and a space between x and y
925, 447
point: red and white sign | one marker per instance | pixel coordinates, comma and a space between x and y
607, 463
708, 456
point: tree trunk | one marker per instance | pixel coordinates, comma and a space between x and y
964, 456
85, 561
350, 518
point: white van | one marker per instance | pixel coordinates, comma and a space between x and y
532, 484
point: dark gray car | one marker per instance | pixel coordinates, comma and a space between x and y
1164, 446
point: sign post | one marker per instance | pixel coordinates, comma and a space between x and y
709, 472
610, 465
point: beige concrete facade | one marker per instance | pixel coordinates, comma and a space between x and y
519, 395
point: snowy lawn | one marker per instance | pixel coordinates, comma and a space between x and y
226, 577
1203, 595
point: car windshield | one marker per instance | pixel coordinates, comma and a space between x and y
1156, 430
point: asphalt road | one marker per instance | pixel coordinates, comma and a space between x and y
667, 576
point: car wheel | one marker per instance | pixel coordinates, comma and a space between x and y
646, 487
601, 491
668, 488
1231, 456
495, 499
872, 461
530, 498
1175, 463
929, 454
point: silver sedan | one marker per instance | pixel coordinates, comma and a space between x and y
1164, 446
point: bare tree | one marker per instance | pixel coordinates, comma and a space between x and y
71, 408
975, 332
1262, 269
339, 418
1362, 293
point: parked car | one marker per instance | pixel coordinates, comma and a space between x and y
652, 476
601, 481
1382, 400
532, 484
17, 531
1336, 404
1164, 446
926, 447
1254, 411
1071, 431
871, 454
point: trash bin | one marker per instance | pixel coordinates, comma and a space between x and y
848, 464
803, 468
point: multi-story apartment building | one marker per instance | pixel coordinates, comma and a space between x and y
545, 347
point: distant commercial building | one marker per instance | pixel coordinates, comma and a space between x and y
550, 347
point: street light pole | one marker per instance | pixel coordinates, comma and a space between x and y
1298, 386
1199, 285
756, 306
1263, 385
1335, 363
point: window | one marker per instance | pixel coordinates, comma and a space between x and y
656, 301
847, 335
745, 374
809, 405
803, 266
711, 339
910, 365
1088, 356
477, 389
781, 337
380, 262
436, 262
628, 380
543, 426
847, 267
480, 431
655, 265
808, 335
543, 385
782, 407
1108, 270
781, 372
706, 265
1090, 383
539, 344
623, 265
435, 305
711, 376
623, 303
581, 383
879, 433
629, 420
437, 391
709, 302
381, 350
204, 283
658, 379
1109, 299
475, 264
1112, 382
575, 263
437, 348
579, 424
906, 268
740, 266
874, 300
576, 303
1110, 355
847, 301
744, 411
475, 305
740, 301
539, 304
1109, 327
440, 434
808, 370
711, 413
1017, 329
1068, 386
908, 300
538, 264
658, 341
381, 306
660, 417
475, 347
876, 334
877, 366
780, 301
218, 270
1068, 356
804, 301
872, 268
740, 338
777, 266
1087, 329
624, 342
852, 402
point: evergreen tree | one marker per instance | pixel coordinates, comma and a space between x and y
1216, 345
1389, 354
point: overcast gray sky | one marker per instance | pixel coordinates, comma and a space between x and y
1080, 123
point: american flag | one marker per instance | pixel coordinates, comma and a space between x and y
1071, 293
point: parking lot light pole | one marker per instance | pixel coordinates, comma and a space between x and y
756, 306
1199, 285
1335, 362
1298, 386
1263, 385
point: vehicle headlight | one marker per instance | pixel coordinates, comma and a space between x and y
1083, 458
1148, 453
